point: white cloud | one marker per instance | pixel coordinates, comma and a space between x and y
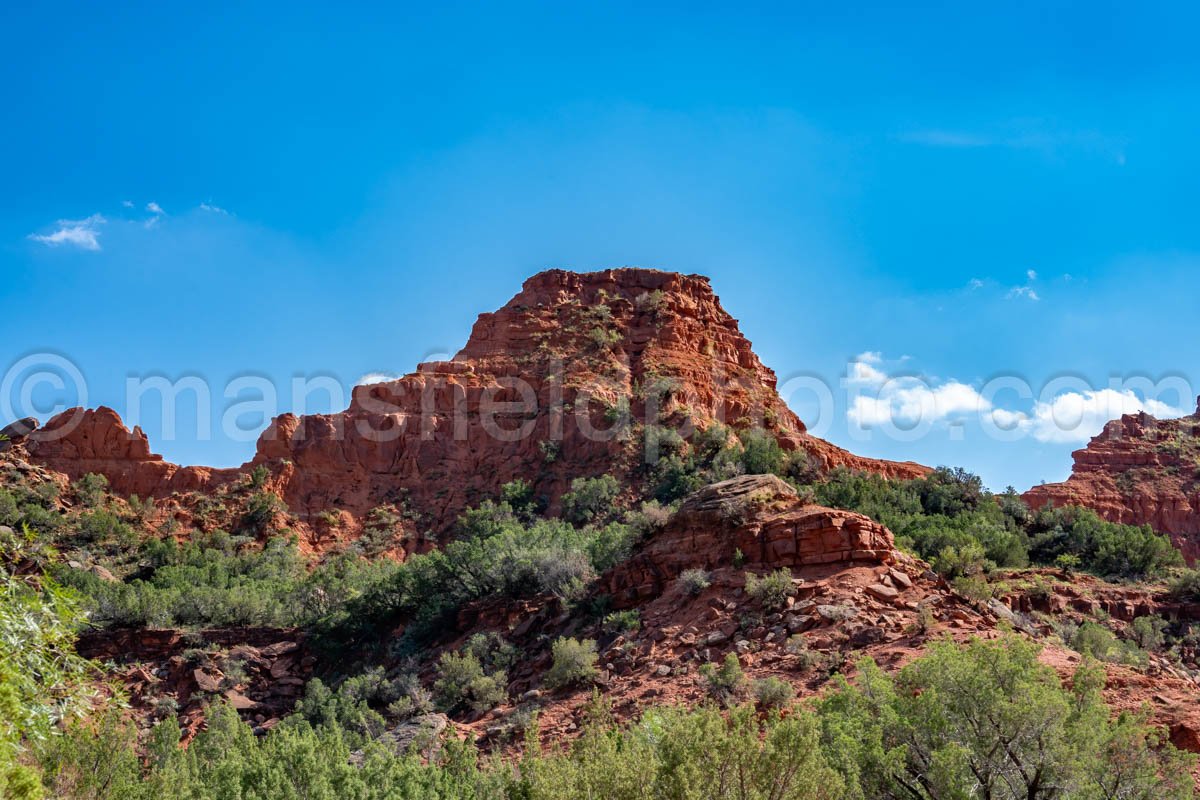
863, 372
1023, 291
974, 284
376, 377
213, 209
1078, 416
907, 400
154, 208
127, 203
1031, 274
81, 233
1007, 420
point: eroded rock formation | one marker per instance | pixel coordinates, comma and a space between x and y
1140, 471
759, 516
560, 383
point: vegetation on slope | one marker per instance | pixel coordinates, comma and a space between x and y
984, 720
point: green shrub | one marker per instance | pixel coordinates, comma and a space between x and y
518, 494
42, 679
574, 663
381, 527
257, 479
964, 717
761, 453
1186, 585
1100, 643
973, 587
104, 527
494, 653
344, 709
772, 692
90, 490
981, 720
622, 621
806, 659
771, 591
694, 581
1148, 632
261, 510
725, 683
462, 684
590, 498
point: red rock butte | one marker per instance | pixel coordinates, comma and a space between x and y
1140, 471
539, 393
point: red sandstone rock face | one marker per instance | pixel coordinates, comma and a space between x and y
1140, 471
532, 395
80, 441
759, 515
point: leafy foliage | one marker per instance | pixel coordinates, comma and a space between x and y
42, 679
590, 498
772, 590
462, 683
219, 579
988, 720
950, 520
574, 663
726, 682
694, 581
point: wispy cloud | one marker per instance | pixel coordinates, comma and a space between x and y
81, 233
154, 208
939, 138
1022, 135
210, 208
1027, 292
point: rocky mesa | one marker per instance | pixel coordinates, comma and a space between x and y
564, 381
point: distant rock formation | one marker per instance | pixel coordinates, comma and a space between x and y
551, 387
1140, 471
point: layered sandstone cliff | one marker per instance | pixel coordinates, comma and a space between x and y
1140, 471
758, 520
560, 383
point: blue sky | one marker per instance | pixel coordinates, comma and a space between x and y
961, 193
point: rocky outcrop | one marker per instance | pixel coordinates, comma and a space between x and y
1139, 471
80, 441
261, 672
560, 383
16, 432
762, 518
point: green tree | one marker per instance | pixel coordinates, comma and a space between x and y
987, 720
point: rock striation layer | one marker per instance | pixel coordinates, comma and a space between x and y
762, 518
